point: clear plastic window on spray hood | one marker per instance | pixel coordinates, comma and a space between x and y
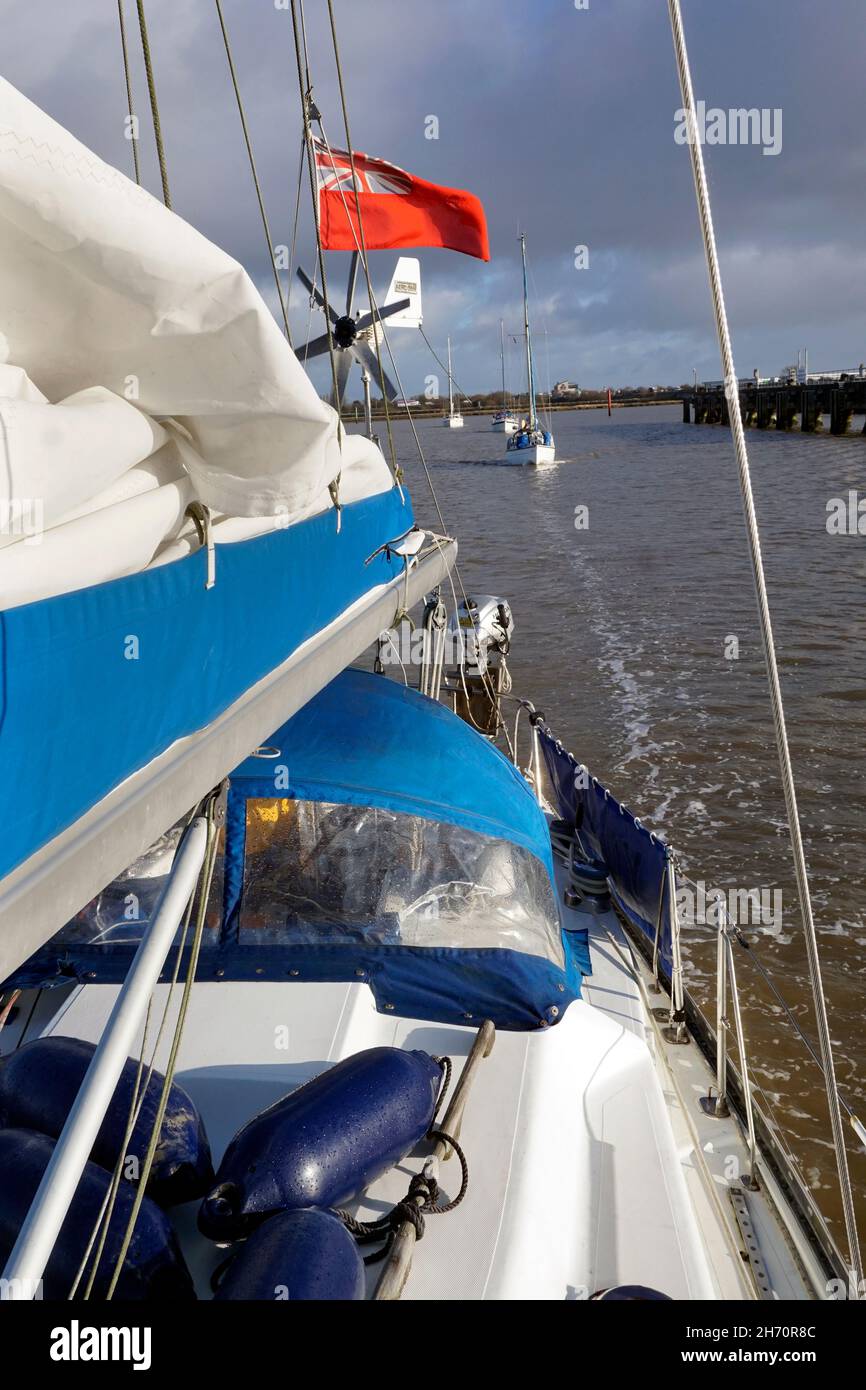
320, 873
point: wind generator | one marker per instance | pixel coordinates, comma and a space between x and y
353, 335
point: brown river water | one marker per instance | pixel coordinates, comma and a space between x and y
623, 636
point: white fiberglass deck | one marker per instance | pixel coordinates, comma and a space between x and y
577, 1178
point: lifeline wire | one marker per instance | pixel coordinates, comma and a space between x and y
733, 397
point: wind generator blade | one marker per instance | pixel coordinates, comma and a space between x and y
316, 294
368, 319
369, 360
350, 288
316, 347
344, 366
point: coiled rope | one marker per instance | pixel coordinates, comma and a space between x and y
422, 1197
421, 1201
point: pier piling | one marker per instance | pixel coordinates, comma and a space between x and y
784, 405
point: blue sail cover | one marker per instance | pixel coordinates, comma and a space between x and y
635, 858
377, 837
97, 683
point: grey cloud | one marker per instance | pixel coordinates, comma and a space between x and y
561, 120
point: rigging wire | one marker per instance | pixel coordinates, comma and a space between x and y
547, 411
787, 774
294, 244
128, 80
362, 255
305, 91
360, 245
154, 105
259, 195
395, 467
438, 359
306, 94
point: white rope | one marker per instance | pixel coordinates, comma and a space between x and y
739, 438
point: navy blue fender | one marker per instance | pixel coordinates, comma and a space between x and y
295, 1256
154, 1269
40, 1081
324, 1143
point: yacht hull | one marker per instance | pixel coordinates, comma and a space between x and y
536, 455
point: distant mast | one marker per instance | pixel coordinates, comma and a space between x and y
450, 392
530, 378
502, 359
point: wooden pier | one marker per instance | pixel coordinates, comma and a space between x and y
782, 406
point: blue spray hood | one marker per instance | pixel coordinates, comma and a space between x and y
370, 741
376, 837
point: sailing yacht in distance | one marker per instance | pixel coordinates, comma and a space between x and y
504, 421
530, 444
453, 420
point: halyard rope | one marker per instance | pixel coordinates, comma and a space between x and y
205, 880
128, 79
154, 105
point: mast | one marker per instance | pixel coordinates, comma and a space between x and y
502, 359
532, 417
450, 392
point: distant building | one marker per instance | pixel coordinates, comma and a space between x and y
565, 391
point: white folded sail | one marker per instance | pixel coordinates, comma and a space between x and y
102, 287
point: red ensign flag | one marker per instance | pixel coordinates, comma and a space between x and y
397, 209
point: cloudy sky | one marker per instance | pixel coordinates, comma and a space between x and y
561, 119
